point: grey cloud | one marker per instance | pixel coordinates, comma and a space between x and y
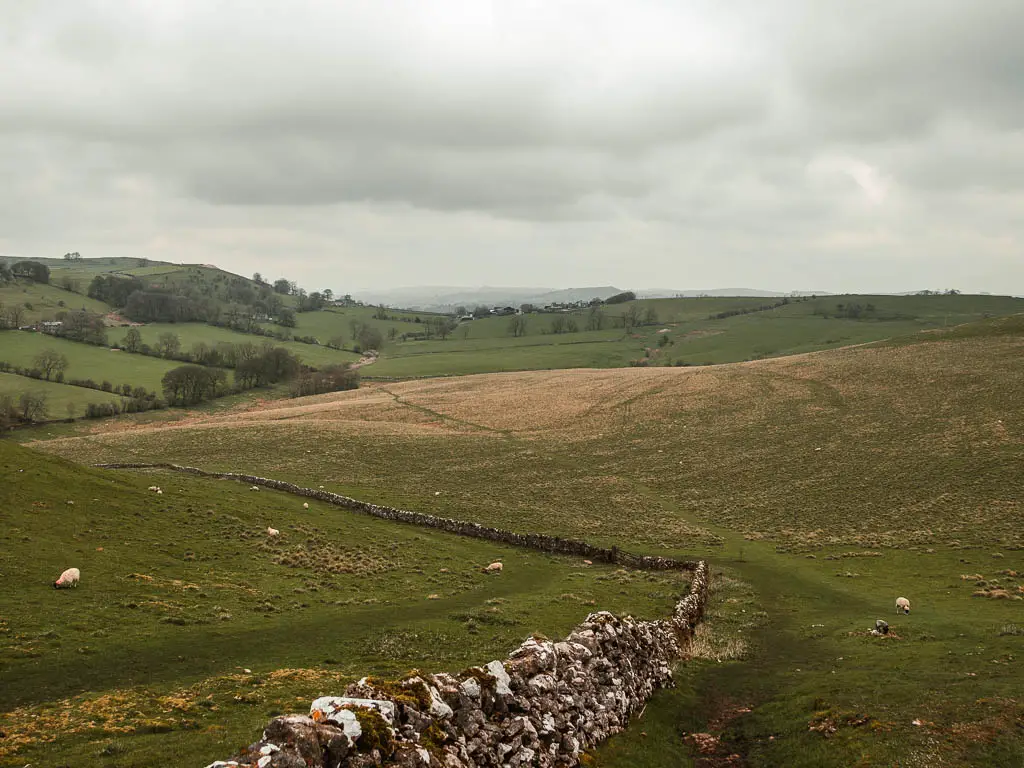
802, 144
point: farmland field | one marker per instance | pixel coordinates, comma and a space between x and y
42, 302
194, 333
86, 361
685, 332
820, 486
191, 625
58, 396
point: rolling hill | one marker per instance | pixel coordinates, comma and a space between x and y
821, 486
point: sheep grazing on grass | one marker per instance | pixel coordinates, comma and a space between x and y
902, 604
254, 487
68, 579
494, 568
272, 531
305, 505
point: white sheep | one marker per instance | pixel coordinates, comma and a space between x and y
902, 604
68, 579
305, 505
494, 568
254, 487
272, 531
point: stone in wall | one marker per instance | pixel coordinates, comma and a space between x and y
542, 706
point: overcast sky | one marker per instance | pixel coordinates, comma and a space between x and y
793, 144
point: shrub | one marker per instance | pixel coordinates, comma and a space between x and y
101, 410
335, 378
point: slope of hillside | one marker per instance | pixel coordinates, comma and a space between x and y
191, 624
832, 482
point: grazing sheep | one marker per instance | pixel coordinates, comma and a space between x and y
902, 604
254, 487
305, 505
68, 579
494, 568
272, 531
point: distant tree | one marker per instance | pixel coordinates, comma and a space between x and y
481, 311
190, 384
132, 340
270, 364
114, 289
650, 316
631, 317
70, 284
620, 298
328, 295
380, 313
168, 344
337, 342
31, 270
82, 325
571, 326
392, 333
14, 315
73, 256
334, 378
51, 363
6, 275
286, 317
293, 287
461, 311
369, 338
32, 406
595, 318
525, 308
517, 325
442, 326
282, 286
663, 340
206, 354
558, 324
258, 278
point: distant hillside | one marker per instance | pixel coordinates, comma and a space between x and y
447, 298
664, 293
111, 264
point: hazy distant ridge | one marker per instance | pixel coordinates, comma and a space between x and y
445, 298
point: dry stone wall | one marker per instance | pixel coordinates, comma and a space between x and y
554, 544
542, 706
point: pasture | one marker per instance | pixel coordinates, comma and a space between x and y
39, 301
820, 486
86, 361
196, 333
192, 626
62, 400
686, 332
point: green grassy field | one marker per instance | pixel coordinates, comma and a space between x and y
183, 593
58, 396
194, 333
86, 361
42, 302
694, 336
820, 487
